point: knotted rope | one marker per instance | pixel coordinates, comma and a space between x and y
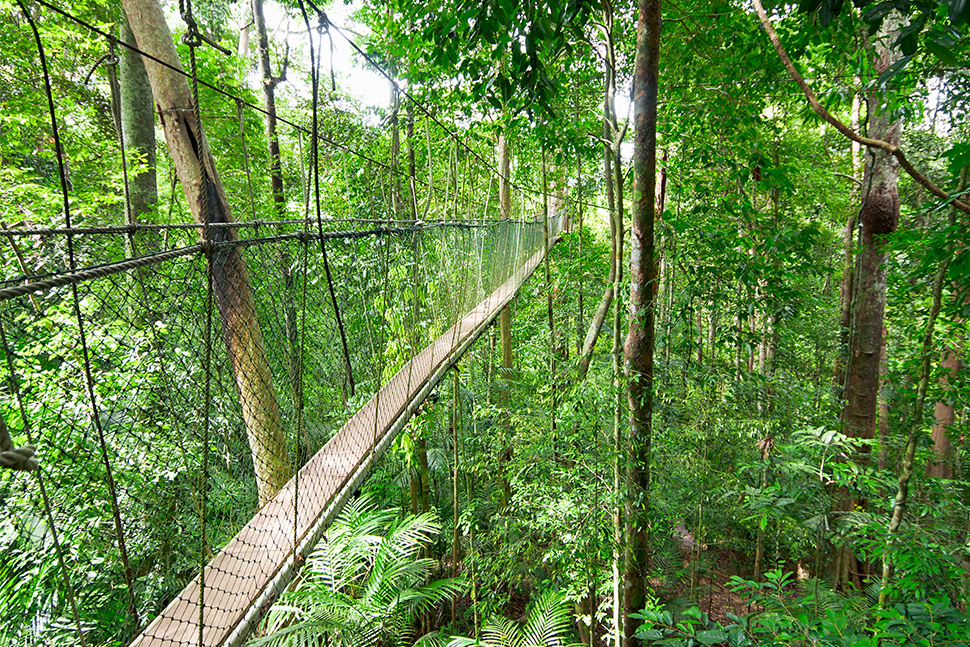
15, 458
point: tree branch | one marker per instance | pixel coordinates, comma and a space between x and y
892, 149
848, 177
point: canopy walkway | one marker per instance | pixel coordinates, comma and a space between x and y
203, 397
260, 560
112, 395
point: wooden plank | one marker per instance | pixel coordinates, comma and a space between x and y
235, 580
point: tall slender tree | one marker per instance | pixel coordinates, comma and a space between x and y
138, 134
638, 350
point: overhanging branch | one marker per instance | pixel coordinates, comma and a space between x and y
892, 149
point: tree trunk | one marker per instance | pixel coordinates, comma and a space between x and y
504, 166
878, 218
944, 413
269, 106
230, 279
640, 338
138, 132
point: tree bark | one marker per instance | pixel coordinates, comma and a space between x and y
640, 338
878, 219
944, 412
945, 415
206, 199
138, 133
504, 166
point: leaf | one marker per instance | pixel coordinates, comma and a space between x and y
942, 52
830, 10
875, 15
892, 71
712, 636
958, 156
959, 11
908, 39
809, 6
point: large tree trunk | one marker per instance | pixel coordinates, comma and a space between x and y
230, 279
640, 338
878, 218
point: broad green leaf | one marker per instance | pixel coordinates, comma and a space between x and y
892, 71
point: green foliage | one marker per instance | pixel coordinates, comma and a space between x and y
547, 625
367, 585
783, 618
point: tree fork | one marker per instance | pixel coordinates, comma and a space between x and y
889, 147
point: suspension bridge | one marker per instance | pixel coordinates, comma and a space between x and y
166, 392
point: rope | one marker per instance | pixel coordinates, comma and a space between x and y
315, 171
15, 458
75, 277
99, 271
89, 381
135, 227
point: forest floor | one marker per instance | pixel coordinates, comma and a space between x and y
705, 583
711, 594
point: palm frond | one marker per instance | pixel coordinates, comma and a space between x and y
365, 586
548, 622
503, 632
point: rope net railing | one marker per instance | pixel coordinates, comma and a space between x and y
177, 490
185, 404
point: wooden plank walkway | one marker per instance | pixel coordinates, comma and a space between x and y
244, 578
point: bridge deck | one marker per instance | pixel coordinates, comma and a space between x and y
243, 579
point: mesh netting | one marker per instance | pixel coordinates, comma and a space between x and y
202, 398
139, 484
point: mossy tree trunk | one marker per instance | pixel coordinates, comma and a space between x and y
878, 219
